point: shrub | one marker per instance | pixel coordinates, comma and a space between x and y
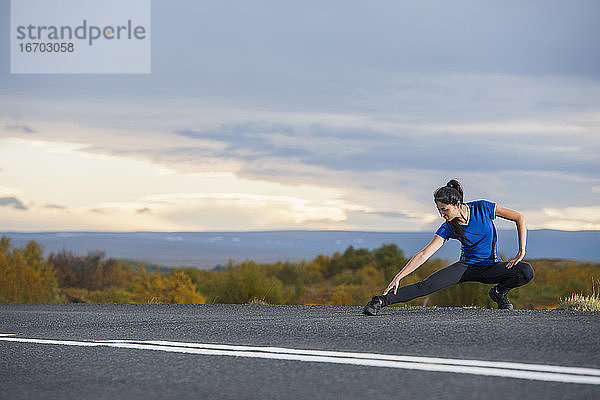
24, 276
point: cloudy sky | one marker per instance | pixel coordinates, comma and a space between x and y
313, 115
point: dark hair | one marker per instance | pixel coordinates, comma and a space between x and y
452, 193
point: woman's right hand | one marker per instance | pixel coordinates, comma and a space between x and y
395, 283
415, 262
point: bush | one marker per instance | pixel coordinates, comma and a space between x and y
242, 283
24, 276
174, 288
91, 271
80, 295
348, 278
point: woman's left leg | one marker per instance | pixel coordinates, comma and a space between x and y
506, 278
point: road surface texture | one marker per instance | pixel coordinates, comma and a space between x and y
128, 351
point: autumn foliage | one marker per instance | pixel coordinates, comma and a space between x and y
66, 277
348, 278
24, 276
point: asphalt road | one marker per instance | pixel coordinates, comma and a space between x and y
34, 370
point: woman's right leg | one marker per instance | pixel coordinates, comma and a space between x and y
441, 279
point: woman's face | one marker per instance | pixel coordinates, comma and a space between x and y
448, 211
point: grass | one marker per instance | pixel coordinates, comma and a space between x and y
256, 300
581, 302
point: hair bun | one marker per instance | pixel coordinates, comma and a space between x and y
454, 184
447, 196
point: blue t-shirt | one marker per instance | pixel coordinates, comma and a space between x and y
480, 230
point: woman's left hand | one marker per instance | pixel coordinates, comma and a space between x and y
515, 260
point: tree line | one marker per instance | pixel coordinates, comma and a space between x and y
344, 278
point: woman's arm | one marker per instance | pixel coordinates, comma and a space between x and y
415, 262
519, 219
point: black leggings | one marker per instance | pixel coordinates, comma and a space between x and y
507, 278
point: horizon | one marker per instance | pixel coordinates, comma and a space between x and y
285, 230
207, 249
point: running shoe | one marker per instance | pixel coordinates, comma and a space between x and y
501, 298
373, 306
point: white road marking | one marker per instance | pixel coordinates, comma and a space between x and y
375, 356
540, 372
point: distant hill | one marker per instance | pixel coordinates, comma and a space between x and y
208, 249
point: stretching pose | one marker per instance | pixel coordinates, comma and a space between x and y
472, 224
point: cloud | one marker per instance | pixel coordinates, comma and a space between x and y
54, 207
379, 104
583, 214
387, 141
212, 209
390, 214
391, 166
369, 151
20, 128
573, 218
289, 50
12, 202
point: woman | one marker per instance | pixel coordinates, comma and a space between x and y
472, 224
